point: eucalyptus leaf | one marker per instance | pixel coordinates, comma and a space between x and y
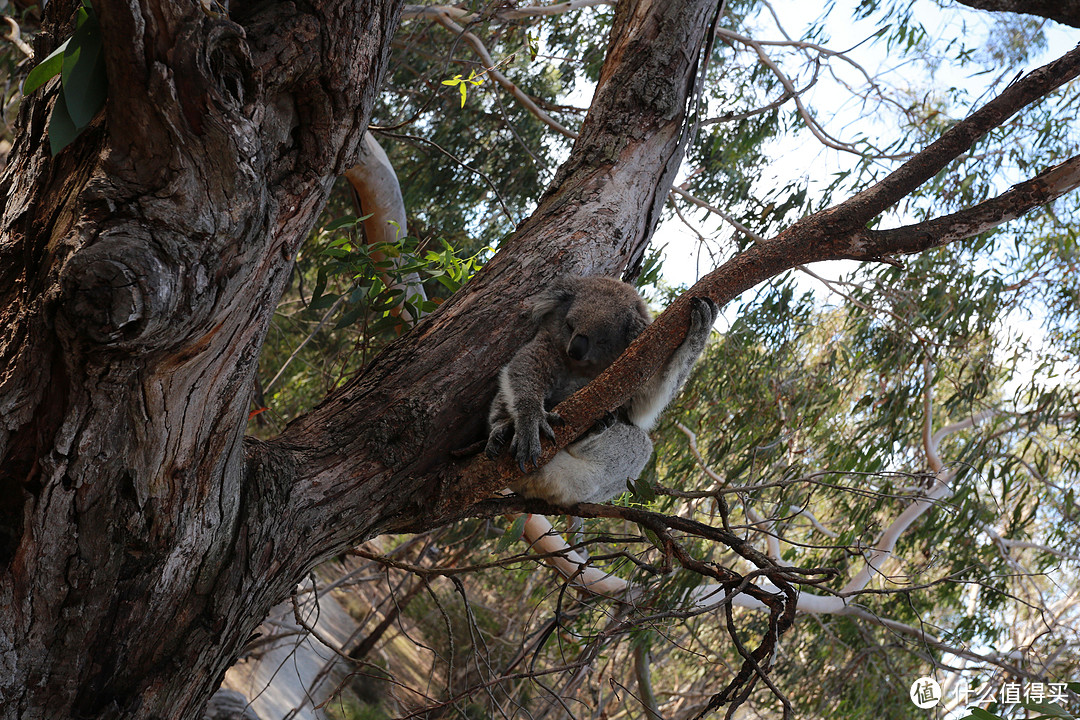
83, 70
1049, 710
46, 69
512, 534
61, 129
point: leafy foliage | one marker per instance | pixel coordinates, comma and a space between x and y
348, 298
80, 62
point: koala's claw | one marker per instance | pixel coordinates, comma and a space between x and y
526, 450
604, 422
549, 419
496, 441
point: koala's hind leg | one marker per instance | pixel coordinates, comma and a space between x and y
593, 469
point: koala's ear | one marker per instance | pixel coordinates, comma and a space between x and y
635, 323
556, 298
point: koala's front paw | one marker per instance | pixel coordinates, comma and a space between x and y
498, 438
526, 448
526, 445
703, 312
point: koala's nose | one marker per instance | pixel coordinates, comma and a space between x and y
579, 347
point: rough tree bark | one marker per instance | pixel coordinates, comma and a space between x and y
142, 538
139, 269
1063, 11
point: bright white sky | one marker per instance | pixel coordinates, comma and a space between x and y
840, 111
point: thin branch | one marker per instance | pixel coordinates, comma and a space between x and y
815, 127
292, 356
959, 138
443, 18
718, 212
462, 163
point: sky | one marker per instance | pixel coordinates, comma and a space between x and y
836, 104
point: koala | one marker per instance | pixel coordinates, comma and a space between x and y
583, 324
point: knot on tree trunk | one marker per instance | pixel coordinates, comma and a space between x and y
111, 288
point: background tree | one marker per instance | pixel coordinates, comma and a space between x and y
141, 267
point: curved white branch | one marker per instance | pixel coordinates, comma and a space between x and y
543, 539
378, 194
14, 34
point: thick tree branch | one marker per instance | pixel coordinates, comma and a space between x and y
1063, 11
840, 233
341, 460
1018, 200
958, 139
382, 427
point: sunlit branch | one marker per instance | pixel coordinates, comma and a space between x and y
987, 215
644, 680
940, 488
378, 194
14, 35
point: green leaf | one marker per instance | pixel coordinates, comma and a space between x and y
61, 129
461, 87
980, 714
83, 71
344, 221
513, 533
324, 301
351, 316
46, 69
1048, 710
643, 491
654, 539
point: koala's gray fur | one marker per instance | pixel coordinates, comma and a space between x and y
583, 325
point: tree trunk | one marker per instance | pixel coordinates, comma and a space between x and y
141, 538
140, 268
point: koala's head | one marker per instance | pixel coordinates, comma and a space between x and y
592, 319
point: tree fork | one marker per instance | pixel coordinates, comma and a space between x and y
141, 267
